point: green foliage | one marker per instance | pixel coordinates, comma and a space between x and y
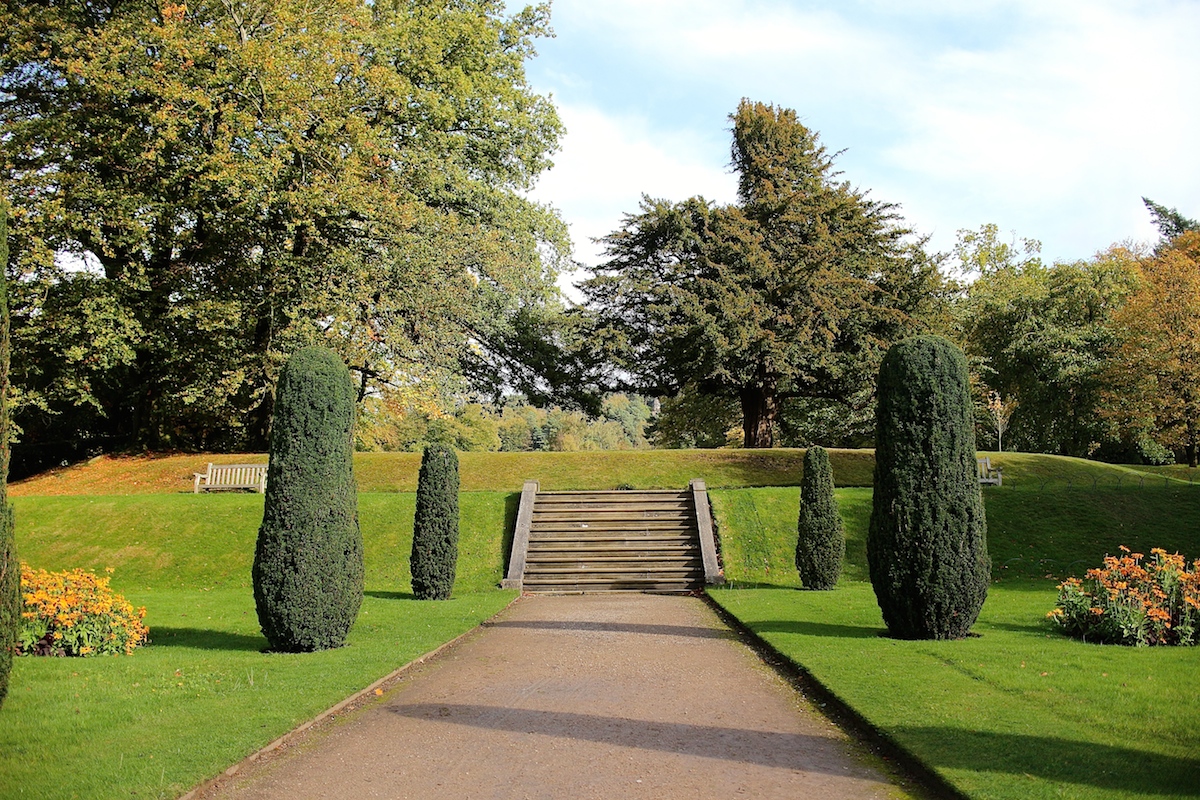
927, 545
1043, 336
1170, 221
239, 183
514, 426
10, 573
308, 561
794, 291
435, 525
821, 540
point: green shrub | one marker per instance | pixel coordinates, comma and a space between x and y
10, 574
76, 613
821, 540
308, 562
926, 545
1128, 601
435, 525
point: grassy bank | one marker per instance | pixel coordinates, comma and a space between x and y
485, 472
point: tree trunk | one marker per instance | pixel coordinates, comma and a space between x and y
759, 410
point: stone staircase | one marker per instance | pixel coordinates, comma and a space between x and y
643, 541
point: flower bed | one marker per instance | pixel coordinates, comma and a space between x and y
1132, 601
75, 613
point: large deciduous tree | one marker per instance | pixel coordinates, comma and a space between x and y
200, 188
792, 292
1042, 336
1153, 381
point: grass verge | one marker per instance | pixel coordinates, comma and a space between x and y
1021, 711
1018, 712
203, 695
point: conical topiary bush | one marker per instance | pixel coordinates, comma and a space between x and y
821, 539
927, 542
435, 525
308, 563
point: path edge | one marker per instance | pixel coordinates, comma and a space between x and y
842, 714
204, 787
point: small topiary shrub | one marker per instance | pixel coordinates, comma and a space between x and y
435, 525
821, 540
308, 562
75, 613
927, 545
1128, 601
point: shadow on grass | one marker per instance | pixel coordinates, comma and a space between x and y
615, 627
806, 628
1039, 627
204, 639
378, 595
736, 584
1061, 760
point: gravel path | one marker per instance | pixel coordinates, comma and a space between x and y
581, 696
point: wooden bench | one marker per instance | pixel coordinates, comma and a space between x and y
232, 476
987, 475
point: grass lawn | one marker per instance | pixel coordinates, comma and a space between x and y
203, 695
1020, 711
1017, 712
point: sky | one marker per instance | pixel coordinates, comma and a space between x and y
1048, 118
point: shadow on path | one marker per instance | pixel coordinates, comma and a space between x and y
615, 627
790, 751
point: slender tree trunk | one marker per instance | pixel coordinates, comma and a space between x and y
759, 410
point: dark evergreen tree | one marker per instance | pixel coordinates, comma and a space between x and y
435, 525
821, 542
10, 567
927, 543
791, 293
308, 564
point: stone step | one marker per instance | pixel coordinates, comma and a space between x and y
612, 541
614, 538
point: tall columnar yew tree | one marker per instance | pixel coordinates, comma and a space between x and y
435, 525
308, 563
927, 543
821, 540
10, 569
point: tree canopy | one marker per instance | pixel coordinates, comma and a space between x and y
198, 189
795, 291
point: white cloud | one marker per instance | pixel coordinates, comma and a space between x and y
608, 162
1051, 118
